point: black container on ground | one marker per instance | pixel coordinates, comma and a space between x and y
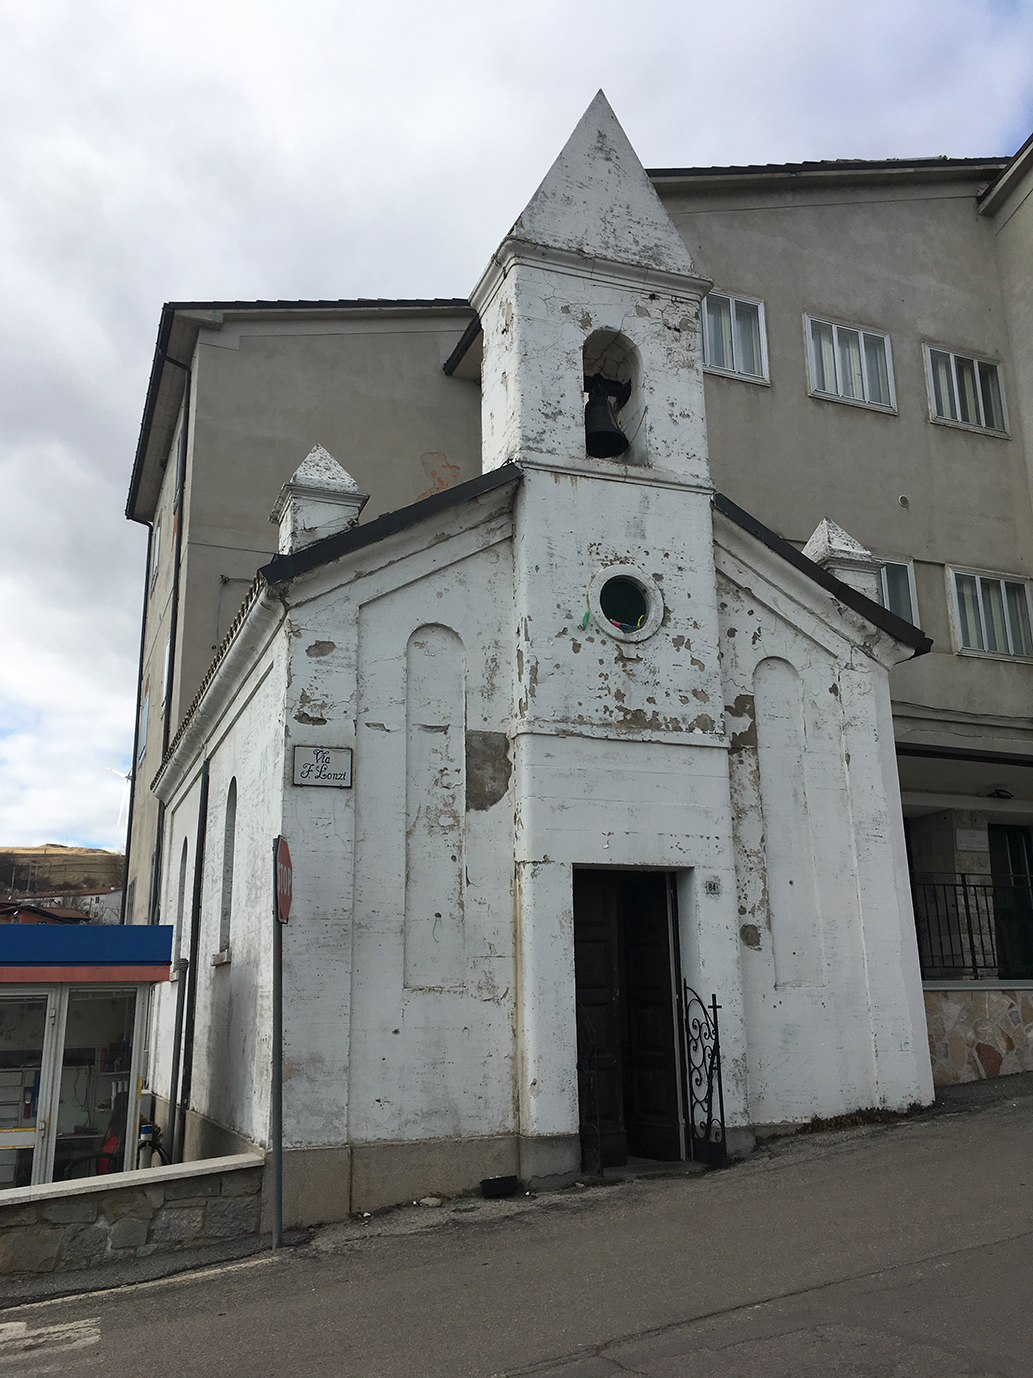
495, 1188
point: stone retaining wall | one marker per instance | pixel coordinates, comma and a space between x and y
97, 1220
979, 1033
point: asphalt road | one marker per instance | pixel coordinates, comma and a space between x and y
900, 1252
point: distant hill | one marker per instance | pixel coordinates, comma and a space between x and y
53, 869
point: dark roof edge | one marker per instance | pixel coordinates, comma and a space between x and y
999, 191
168, 315
963, 753
466, 339
834, 167
327, 304
885, 620
285, 567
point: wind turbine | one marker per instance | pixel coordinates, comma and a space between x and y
126, 777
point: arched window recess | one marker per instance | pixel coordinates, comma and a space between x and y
613, 402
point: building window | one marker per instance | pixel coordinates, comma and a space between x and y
733, 336
965, 391
625, 603
155, 549
850, 364
165, 677
992, 614
228, 848
144, 706
897, 589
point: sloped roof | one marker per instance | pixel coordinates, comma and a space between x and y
284, 567
889, 622
841, 169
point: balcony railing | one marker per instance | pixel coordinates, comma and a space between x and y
974, 927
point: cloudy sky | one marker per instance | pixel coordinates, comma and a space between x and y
331, 148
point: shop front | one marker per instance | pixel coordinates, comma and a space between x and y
73, 1019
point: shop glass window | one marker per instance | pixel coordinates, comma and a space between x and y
23, 1026
95, 1084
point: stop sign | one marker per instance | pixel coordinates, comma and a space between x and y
284, 879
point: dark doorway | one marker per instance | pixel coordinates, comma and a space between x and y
1011, 870
625, 959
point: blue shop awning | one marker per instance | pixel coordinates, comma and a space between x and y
84, 952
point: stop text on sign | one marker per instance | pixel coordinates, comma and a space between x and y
284, 880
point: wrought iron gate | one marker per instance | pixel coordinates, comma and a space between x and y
705, 1103
705, 1121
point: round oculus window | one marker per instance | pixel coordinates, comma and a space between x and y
625, 602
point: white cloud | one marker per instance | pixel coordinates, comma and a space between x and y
221, 149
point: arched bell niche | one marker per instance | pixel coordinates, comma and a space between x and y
615, 358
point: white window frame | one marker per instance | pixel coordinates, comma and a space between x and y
889, 409
145, 707
165, 683
734, 297
909, 565
993, 576
39, 1138
155, 551
954, 355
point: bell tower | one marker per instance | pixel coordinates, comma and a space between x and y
593, 292
619, 746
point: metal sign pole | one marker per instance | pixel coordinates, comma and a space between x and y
276, 1095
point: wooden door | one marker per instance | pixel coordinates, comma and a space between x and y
628, 1067
597, 977
652, 1110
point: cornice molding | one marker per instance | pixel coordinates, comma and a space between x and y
514, 252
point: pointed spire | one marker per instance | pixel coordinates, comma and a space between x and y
319, 470
597, 201
320, 500
843, 556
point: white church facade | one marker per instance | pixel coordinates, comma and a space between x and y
599, 738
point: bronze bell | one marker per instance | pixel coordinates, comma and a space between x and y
604, 439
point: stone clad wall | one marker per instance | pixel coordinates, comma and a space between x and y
97, 1220
977, 1034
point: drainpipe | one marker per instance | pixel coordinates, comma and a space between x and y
182, 967
136, 729
178, 506
190, 1005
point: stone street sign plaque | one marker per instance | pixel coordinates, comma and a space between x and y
323, 765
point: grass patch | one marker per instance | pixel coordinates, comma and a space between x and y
855, 1118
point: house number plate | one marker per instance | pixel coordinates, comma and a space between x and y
323, 765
